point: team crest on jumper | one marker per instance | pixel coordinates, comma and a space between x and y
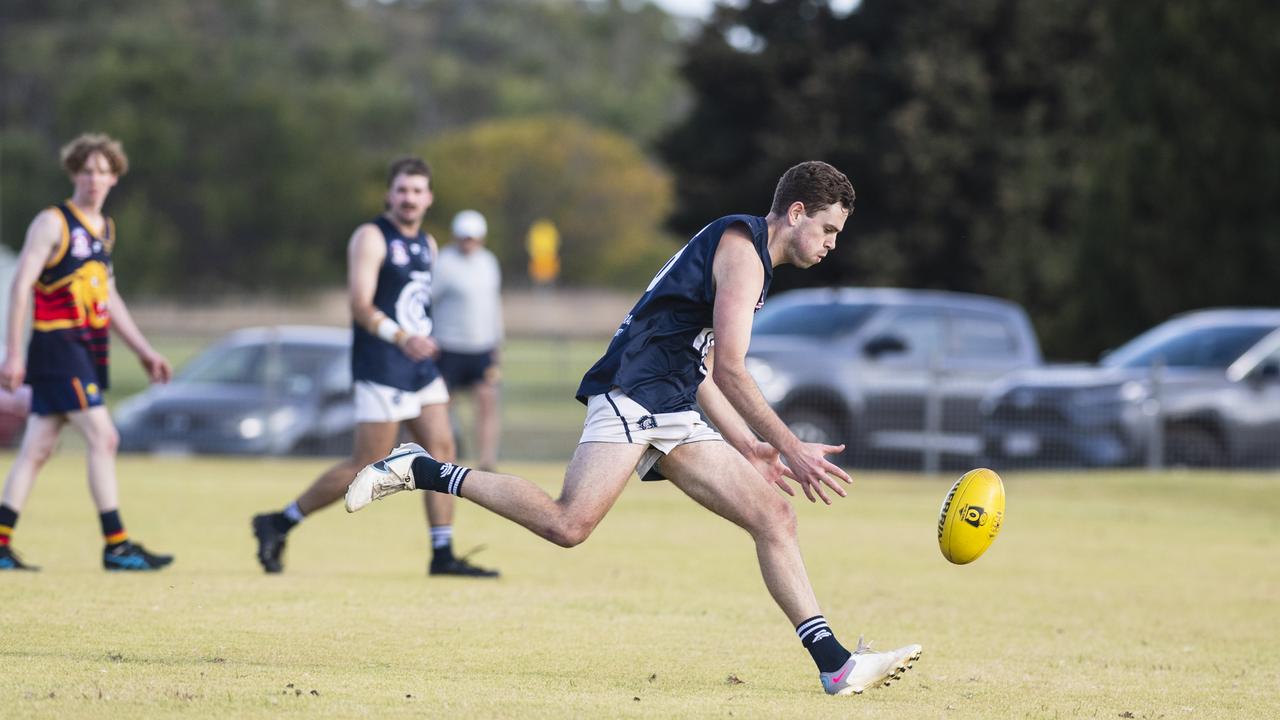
414, 304
399, 253
80, 247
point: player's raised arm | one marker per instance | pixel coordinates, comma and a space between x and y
739, 278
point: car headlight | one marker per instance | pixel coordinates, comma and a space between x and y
282, 419
773, 384
278, 421
251, 427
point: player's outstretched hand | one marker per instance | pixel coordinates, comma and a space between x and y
768, 462
12, 372
813, 471
420, 347
158, 368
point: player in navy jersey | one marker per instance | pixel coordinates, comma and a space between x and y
65, 265
390, 263
683, 347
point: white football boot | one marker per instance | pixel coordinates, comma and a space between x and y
388, 476
866, 669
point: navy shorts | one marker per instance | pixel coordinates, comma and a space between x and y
463, 370
64, 395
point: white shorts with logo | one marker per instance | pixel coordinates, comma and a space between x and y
616, 418
381, 403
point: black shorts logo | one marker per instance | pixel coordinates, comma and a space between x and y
974, 515
647, 422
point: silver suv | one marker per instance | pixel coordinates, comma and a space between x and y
1201, 389
896, 375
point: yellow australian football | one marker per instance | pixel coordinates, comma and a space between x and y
971, 516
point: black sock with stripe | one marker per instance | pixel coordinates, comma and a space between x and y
8, 520
112, 528
828, 654
431, 474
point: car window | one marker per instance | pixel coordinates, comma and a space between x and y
819, 320
921, 330
237, 364
300, 367
1210, 347
981, 336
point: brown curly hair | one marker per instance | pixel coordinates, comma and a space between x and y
76, 153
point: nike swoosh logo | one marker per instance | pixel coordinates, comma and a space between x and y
382, 464
842, 675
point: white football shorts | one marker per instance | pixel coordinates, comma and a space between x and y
616, 418
380, 403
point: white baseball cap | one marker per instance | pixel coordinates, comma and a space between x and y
469, 223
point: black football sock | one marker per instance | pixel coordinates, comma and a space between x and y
431, 474
442, 540
8, 520
286, 519
113, 528
828, 654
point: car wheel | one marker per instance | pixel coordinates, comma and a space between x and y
1192, 446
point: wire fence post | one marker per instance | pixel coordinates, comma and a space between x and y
933, 415
1155, 417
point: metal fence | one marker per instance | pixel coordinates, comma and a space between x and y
279, 394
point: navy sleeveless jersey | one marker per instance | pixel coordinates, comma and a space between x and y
656, 356
71, 318
404, 294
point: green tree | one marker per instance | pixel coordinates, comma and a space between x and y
259, 130
1180, 209
1085, 160
607, 200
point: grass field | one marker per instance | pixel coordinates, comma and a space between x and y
1107, 595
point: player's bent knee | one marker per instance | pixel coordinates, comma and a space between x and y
777, 518
570, 532
106, 442
38, 453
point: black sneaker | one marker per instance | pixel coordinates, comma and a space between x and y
447, 564
270, 543
132, 556
9, 560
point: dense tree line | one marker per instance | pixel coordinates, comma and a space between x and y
1106, 164
259, 130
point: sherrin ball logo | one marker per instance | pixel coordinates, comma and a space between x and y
971, 516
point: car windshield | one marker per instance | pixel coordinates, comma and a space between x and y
298, 364
819, 320
1206, 347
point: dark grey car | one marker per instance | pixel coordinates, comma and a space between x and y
1201, 389
896, 375
271, 391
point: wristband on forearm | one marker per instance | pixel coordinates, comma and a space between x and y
388, 329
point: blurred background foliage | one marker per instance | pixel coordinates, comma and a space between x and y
259, 131
1106, 165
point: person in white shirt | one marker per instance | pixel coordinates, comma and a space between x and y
468, 325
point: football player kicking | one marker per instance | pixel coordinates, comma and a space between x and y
642, 402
